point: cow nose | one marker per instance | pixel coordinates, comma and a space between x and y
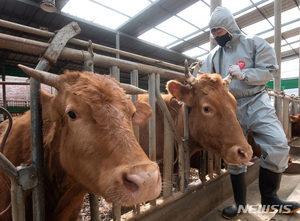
131, 182
135, 182
142, 182
242, 154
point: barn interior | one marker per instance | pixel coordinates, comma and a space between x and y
160, 33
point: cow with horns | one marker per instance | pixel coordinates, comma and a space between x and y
88, 143
213, 125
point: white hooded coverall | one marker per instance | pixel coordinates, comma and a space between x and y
257, 60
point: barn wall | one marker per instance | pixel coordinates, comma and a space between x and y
18, 92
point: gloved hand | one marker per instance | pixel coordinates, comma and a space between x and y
235, 71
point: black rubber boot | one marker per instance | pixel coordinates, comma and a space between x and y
269, 183
239, 190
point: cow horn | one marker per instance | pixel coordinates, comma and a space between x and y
190, 79
41, 76
130, 89
228, 80
195, 67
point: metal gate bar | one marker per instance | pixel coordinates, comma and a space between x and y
15, 26
152, 123
17, 194
178, 137
49, 58
35, 47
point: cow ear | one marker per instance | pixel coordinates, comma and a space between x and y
294, 118
142, 114
181, 92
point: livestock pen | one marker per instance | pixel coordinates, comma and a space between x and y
191, 200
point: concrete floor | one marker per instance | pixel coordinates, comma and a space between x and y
289, 190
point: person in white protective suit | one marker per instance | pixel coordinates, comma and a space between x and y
252, 63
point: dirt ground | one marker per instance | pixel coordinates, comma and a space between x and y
105, 210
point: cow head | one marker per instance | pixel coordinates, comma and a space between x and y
212, 119
93, 118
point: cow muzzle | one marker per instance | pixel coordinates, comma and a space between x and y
237, 155
136, 184
245, 156
143, 182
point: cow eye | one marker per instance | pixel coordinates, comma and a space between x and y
206, 109
72, 115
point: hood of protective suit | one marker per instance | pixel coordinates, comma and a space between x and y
222, 18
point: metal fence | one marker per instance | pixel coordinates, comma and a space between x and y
286, 105
210, 165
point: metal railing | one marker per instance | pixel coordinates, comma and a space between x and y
16, 103
286, 105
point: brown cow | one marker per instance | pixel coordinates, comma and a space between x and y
89, 146
212, 121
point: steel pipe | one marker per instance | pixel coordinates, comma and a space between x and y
213, 5
7, 167
8, 128
3, 87
35, 47
17, 195
277, 46
88, 65
168, 158
178, 138
48, 34
202, 169
17, 201
186, 144
286, 116
277, 42
115, 72
279, 110
134, 80
152, 122
165, 110
13, 83
284, 97
116, 212
50, 56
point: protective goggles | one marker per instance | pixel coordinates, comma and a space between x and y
217, 32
